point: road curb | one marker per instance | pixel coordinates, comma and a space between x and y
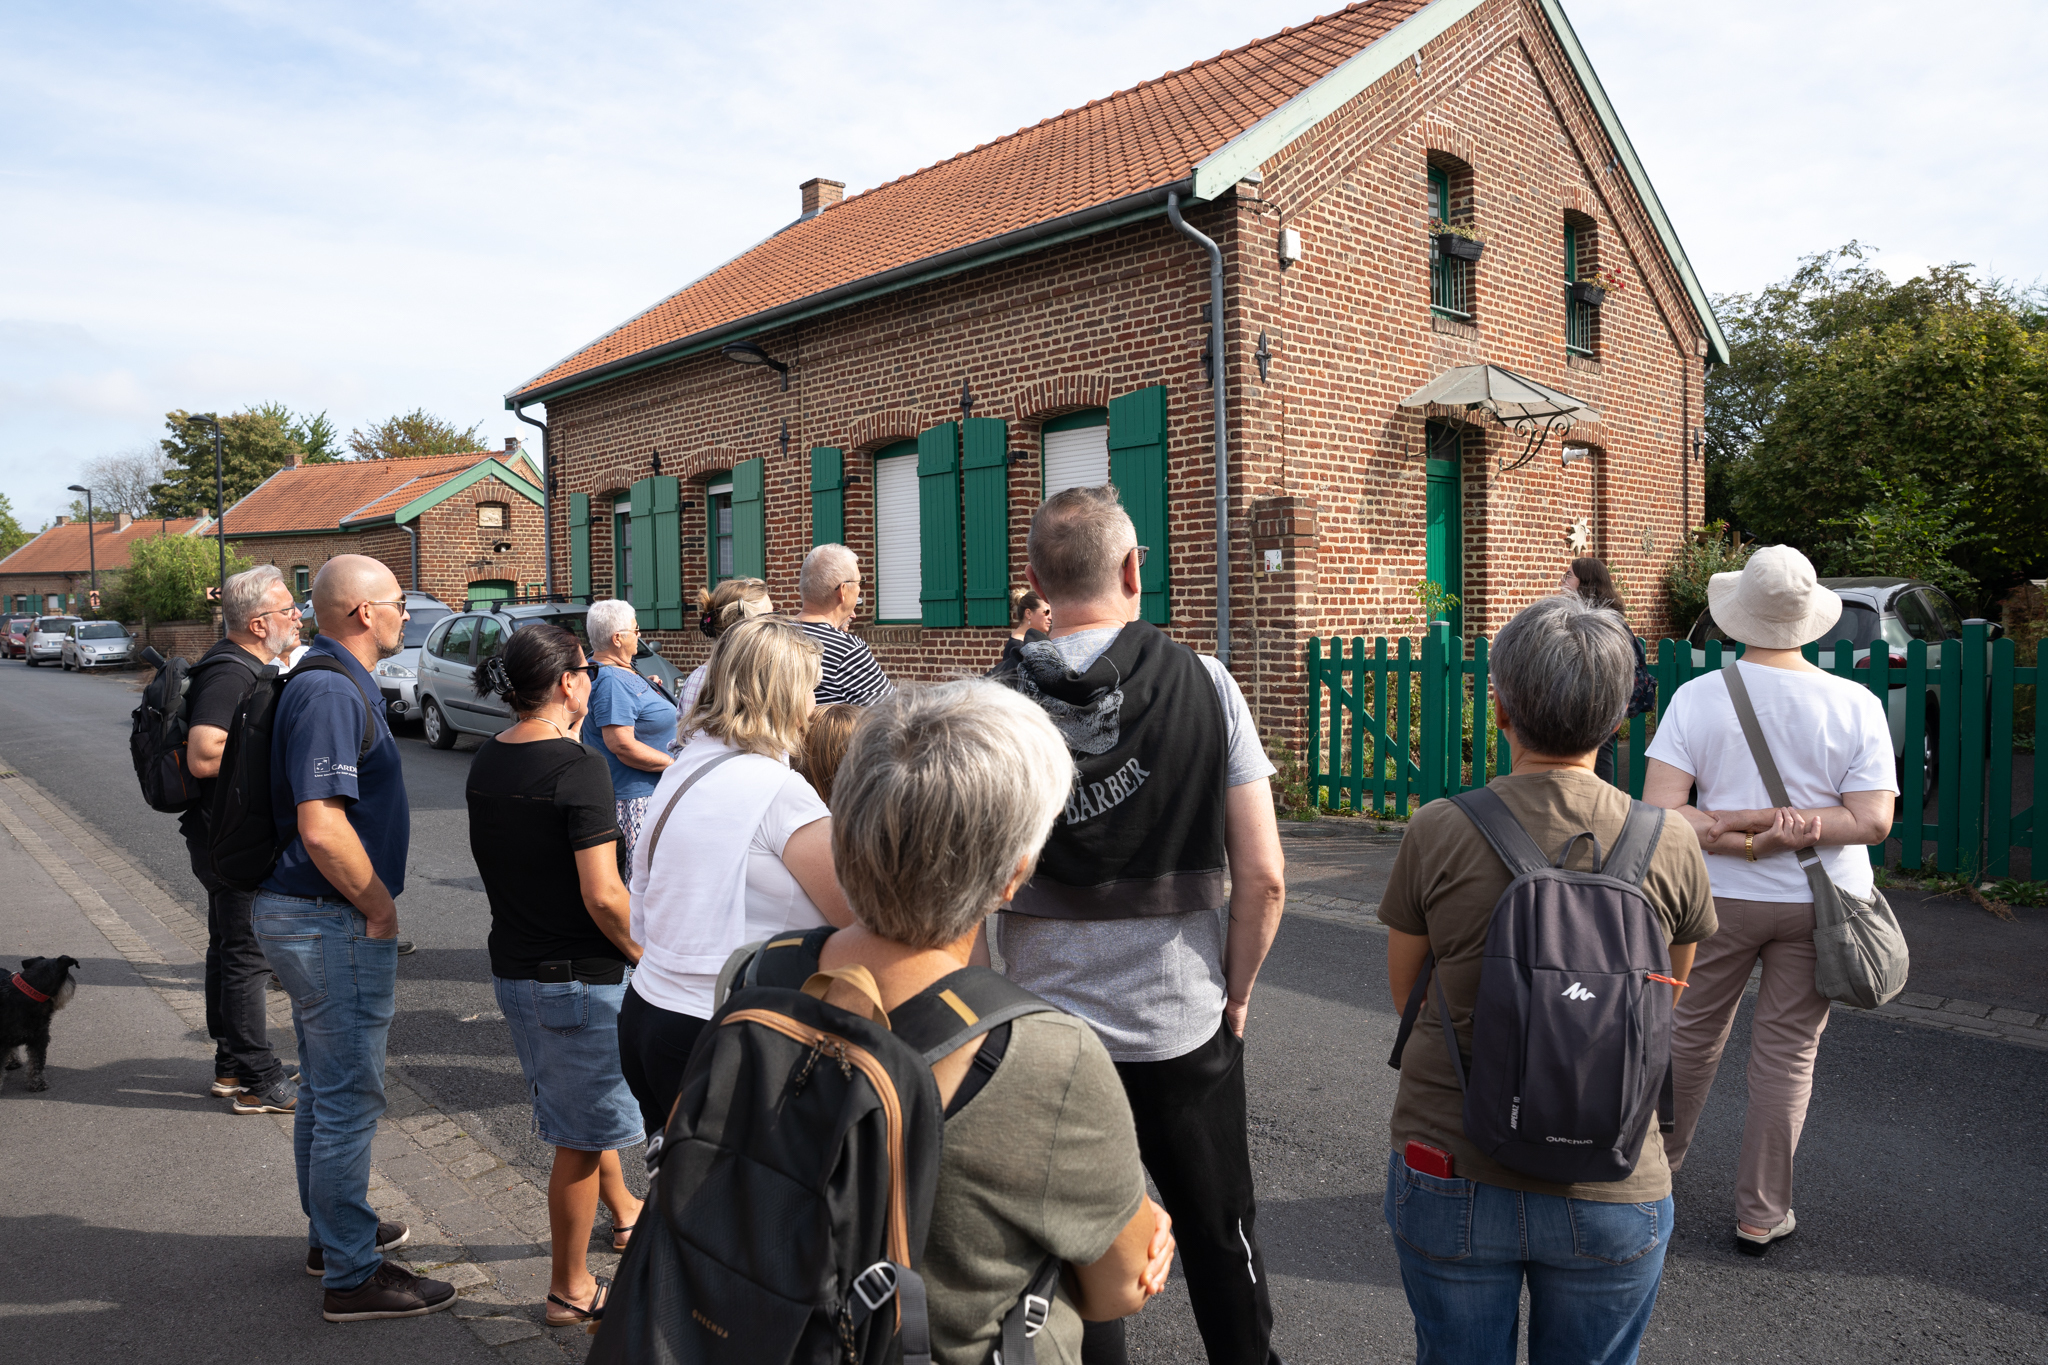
476, 1222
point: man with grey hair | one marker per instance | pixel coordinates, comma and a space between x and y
1591, 1252
1127, 921
262, 626
830, 587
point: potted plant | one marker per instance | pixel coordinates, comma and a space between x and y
1594, 286
1458, 241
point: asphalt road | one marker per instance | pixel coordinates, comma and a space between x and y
1896, 1260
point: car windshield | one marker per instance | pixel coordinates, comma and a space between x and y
102, 630
569, 621
1858, 626
54, 625
423, 620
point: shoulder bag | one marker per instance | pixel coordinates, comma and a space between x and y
1859, 952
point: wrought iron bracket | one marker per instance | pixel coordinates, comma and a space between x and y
1535, 430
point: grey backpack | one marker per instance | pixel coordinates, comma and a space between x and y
1571, 1031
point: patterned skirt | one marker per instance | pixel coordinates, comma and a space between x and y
632, 811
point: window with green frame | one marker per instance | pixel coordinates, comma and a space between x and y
1450, 279
899, 551
1578, 314
1073, 451
718, 532
622, 549
302, 581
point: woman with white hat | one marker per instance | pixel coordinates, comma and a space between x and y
1833, 751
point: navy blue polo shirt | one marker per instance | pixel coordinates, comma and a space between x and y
314, 741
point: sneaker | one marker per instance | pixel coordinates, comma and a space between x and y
391, 1292
224, 1086
389, 1236
279, 1097
405, 945
1749, 1244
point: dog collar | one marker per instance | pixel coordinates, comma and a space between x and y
31, 992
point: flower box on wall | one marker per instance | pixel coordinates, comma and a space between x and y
1588, 293
1457, 248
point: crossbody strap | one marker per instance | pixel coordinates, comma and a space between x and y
1774, 785
654, 838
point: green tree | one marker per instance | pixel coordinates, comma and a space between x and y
418, 432
168, 576
255, 443
12, 537
1904, 531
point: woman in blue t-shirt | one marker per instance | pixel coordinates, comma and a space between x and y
630, 721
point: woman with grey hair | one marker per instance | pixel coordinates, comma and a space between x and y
1833, 750
940, 808
1468, 1231
630, 722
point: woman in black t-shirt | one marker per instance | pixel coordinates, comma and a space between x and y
541, 827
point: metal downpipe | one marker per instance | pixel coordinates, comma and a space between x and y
1222, 440
547, 504
413, 532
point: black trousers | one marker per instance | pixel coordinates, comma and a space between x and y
654, 1048
1190, 1113
1603, 763
237, 979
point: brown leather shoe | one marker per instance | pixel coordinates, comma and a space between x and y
390, 1292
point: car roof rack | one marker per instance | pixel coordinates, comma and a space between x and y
529, 600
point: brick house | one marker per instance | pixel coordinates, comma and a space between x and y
53, 572
930, 358
455, 526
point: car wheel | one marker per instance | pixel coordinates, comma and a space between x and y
439, 735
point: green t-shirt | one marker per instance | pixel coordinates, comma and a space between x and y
1044, 1161
1444, 883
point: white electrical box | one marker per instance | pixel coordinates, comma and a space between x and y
1290, 245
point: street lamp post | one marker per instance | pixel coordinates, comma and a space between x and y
92, 558
220, 516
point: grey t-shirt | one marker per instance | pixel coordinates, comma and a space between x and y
1044, 1161
1153, 988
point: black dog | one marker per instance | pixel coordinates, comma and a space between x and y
41, 988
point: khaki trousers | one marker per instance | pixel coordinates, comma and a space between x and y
1784, 1040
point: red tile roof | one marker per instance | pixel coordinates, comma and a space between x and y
316, 497
63, 549
1135, 140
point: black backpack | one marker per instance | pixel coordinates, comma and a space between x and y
792, 1191
242, 837
1571, 1031
158, 729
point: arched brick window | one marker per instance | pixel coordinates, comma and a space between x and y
1454, 239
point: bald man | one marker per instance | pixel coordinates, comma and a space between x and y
327, 917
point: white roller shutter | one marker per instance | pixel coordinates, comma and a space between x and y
899, 583
1076, 458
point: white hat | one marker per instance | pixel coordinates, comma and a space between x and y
1775, 602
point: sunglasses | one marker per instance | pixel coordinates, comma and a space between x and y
587, 670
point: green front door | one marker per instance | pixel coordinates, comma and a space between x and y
1444, 543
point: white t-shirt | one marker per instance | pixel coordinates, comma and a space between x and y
1827, 735
774, 900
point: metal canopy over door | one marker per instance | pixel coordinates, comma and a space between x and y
1444, 543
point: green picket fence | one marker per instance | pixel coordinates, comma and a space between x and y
1404, 722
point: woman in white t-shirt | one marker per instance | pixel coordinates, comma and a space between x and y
1833, 750
737, 848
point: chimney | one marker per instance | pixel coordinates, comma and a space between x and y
298, 458
511, 445
60, 521
821, 194
122, 521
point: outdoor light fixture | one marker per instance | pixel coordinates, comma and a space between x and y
220, 513
92, 558
747, 353
1570, 454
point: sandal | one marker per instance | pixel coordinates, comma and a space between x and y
625, 1232
575, 1315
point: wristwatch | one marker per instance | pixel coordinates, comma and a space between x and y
1749, 847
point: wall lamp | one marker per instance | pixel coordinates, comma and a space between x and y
747, 353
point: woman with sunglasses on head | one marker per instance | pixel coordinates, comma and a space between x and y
543, 828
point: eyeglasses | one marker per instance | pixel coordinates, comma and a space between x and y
1142, 550
587, 670
292, 610
398, 602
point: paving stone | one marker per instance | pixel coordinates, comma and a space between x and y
463, 1274
476, 1163
2024, 1018
1969, 1007
467, 1220
1920, 1000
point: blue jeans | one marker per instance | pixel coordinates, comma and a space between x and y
341, 985
1465, 1248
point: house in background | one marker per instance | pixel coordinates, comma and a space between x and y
459, 527
53, 573
1400, 195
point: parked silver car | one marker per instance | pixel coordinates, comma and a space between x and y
97, 644
46, 639
398, 676
449, 705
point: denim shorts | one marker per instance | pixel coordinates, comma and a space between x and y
567, 1037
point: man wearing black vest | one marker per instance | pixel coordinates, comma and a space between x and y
1125, 921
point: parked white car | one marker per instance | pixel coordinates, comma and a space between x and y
398, 676
46, 638
97, 644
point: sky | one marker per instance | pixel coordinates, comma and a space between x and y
366, 208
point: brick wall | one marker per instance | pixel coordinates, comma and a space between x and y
455, 551
38, 586
311, 550
1325, 467
173, 638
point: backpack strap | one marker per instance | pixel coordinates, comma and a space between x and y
320, 663
954, 1010
654, 836
1027, 1317
1484, 808
1443, 1016
1629, 859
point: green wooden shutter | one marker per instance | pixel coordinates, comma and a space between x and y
749, 521
1571, 252
1439, 195
1137, 466
642, 592
828, 496
579, 546
985, 480
666, 521
938, 524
